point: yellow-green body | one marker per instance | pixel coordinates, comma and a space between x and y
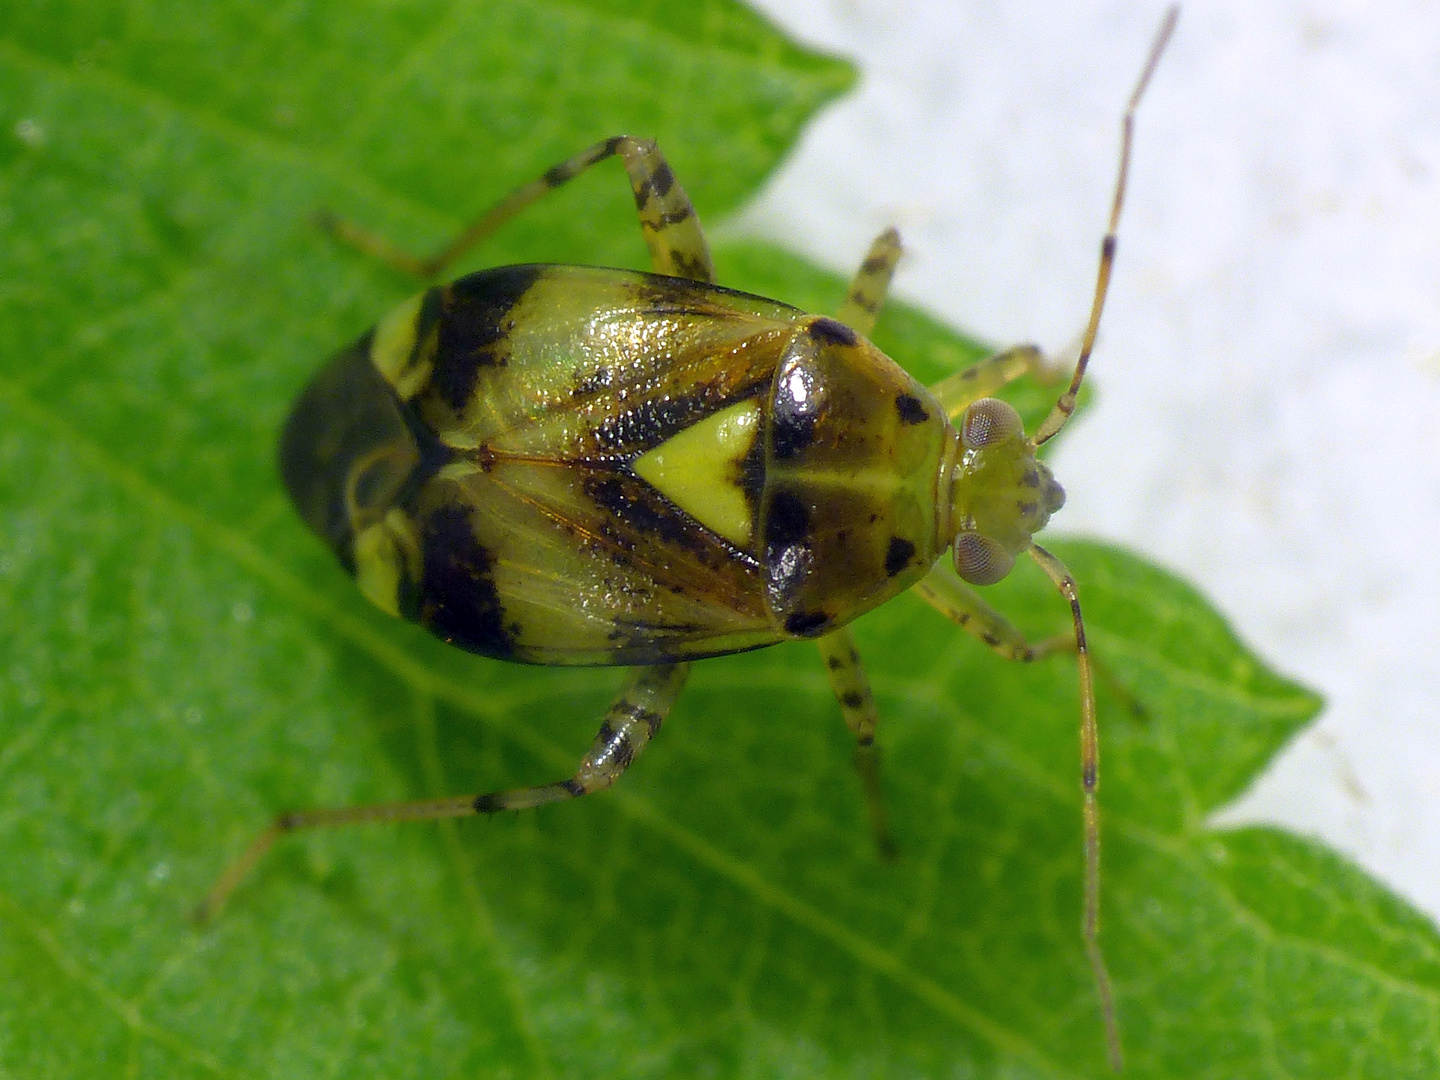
570, 465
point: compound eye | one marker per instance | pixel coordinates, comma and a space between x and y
989, 421
980, 560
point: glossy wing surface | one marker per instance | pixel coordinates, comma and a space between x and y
539, 541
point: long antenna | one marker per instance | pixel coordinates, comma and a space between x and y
1066, 405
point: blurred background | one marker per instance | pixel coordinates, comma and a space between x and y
1268, 376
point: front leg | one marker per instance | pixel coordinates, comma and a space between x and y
871, 282
959, 602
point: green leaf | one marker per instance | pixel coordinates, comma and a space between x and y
179, 659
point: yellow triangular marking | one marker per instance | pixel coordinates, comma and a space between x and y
699, 470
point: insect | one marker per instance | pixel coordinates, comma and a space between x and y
571, 465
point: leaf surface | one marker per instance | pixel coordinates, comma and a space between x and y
179, 660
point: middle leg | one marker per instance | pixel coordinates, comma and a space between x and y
870, 283
857, 704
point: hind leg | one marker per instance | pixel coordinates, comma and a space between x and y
667, 219
629, 725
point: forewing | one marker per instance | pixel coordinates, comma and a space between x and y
539, 541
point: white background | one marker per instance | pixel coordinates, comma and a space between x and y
1267, 420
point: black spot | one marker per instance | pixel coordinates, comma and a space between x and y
799, 398
566, 170
789, 560
830, 332
788, 521
851, 700
876, 263
834, 663
790, 435
806, 623
910, 409
487, 804
898, 556
475, 320
989, 639
691, 266
657, 183
670, 217
458, 600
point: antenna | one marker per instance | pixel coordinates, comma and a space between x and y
1066, 405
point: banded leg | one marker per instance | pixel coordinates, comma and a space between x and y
667, 219
629, 724
870, 283
966, 608
857, 704
985, 377
959, 602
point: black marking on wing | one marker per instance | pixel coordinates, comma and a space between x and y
458, 599
631, 433
474, 324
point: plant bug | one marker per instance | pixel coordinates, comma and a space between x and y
571, 465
